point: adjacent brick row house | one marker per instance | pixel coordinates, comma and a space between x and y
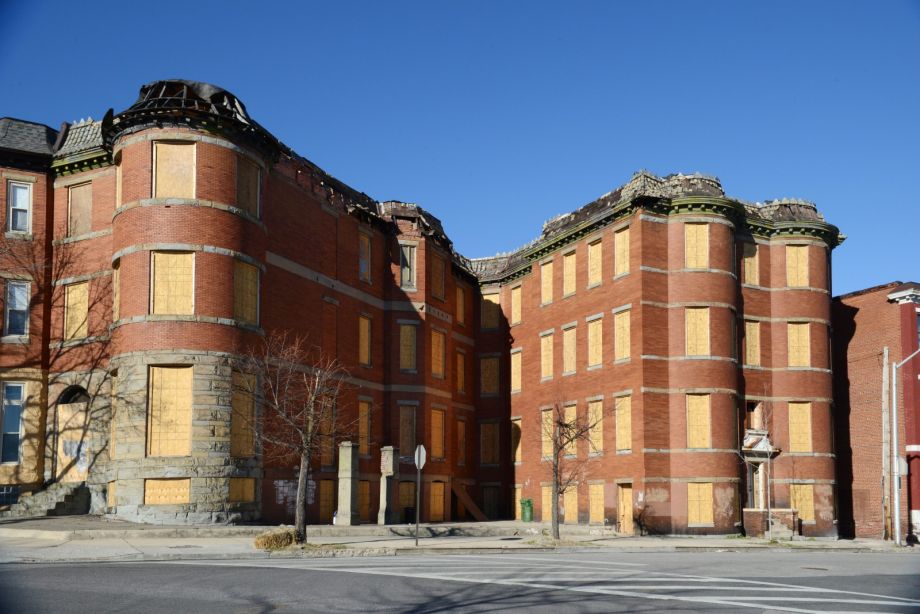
693, 328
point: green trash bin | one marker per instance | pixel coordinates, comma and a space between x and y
527, 510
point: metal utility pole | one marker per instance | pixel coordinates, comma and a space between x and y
895, 457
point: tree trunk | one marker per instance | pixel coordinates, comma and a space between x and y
300, 513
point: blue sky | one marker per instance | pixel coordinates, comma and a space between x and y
498, 115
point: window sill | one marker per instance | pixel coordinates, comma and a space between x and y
515, 392
409, 371
595, 367
621, 361
700, 526
546, 379
595, 285
569, 295
624, 452
568, 373
408, 288
18, 235
15, 339
620, 275
546, 304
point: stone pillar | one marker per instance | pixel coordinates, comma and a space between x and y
389, 478
348, 485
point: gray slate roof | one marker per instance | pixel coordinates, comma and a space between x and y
28, 137
82, 136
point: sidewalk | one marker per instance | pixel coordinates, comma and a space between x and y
86, 538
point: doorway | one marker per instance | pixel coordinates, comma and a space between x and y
625, 509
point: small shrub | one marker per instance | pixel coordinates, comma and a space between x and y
276, 539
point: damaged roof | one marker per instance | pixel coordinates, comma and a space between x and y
85, 135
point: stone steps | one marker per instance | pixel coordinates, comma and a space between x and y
61, 499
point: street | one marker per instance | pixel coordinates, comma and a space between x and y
582, 581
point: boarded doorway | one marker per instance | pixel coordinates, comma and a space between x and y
625, 509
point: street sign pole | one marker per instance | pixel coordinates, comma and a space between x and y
420, 457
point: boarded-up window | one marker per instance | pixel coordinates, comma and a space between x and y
547, 426
570, 415
461, 306
461, 442
364, 257
621, 258
698, 421
697, 323
751, 342
326, 439
80, 217
242, 418
406, 430
118, 181
173, 283
570, 504
699, 504
116, 291
437, 433
364, 500
175, 170
595, 342
751, 264
364, 340
516, 371
802, 498
546, 282
364, 427
621, 336
516, 440
406, 494
596, 503
546, 356
517, 502
490, 311
595, 263
461, 372
488, 443
407, 266
326, 500
247, 185
696, 245
170, 411
114, 406
436, 502
407, 345
623, 409
242, 490
797, 266
488, 375
437, 277
596, 425
799, 339
76, 311
568, 274
800, 427
245, 292
111, 495
546, 503
569, 343
438, 353
170, 491
516, 305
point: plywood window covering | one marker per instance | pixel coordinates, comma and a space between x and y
546, 356
407, 347
698, 421
326, 441
242, 490
517, 502
595, 263
621, 257
242, 418
797, 266
570, 504
751, 343
116, 291
751, 264
621, 336
568, 274
167, 491
489, 375
596, 503
623, 409
595, 342
111, 495
248, 175
569, 343
118, 182
516, 440
437, 433
437, 277
245, 292
407, 266
516, 305
461, 371
461, 442
799, 339
80, 218
364, 500
800, 427
173, 283
699, 503
516, 371
364, 340
364, 427
113, 413
697, 324
546, 503
436, 503
696, 245
491, 311
174, 176
406, 430
406, 494
76, 310
461, 306
326, 500
438, 353
547, 427
488, 443
364, 257
802, 498
596, 425
170, 411
570, 415
546, 282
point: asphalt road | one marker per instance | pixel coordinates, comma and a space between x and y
564, 582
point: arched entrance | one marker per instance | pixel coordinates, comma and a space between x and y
72, 434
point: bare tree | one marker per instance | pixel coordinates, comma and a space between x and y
299, 391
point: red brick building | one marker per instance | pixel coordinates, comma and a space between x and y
683, 322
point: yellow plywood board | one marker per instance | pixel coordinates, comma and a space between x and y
516, 358
170, 421
76, 311
595, 342
800, 439
623, 409
570, 504
569, 345
169, 491
437, 433
242, 419
595, 263
697, 331
489, 374
696, 243
364, 340
698, 421
752, 343
80, 219
699, 504
596, 503
516, 305
407, 347
596, 425
621, 258
546, 283
799, 344
245, 292
173, 283
438, 353
242, 490
546, 356
621, 335
364, 427
247, 185
175, 170
568, 274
